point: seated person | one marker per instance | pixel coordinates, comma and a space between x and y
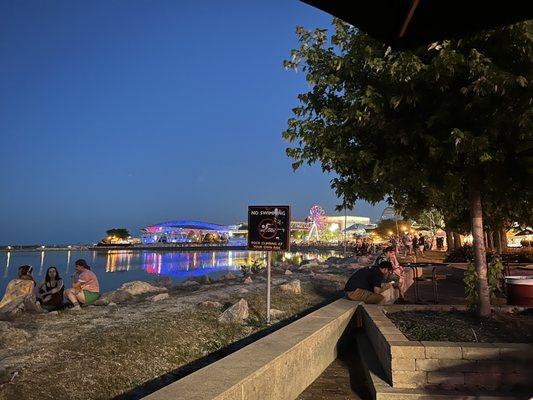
85, 287
366, 284
51, 291
402, 278
19, 293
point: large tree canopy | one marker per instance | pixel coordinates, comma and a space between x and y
420, 126
448, 127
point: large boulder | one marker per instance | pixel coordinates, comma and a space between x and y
116, 296
189, 285
210, 304
293, 287
237, 313
11, 336
228, 277
328, 283
139, 287
163, 281
158, 297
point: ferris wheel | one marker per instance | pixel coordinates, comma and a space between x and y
317, 218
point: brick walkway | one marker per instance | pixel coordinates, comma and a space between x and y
344, 379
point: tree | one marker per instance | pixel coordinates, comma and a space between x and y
446, 127
119, 233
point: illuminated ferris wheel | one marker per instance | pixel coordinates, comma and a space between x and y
317, 218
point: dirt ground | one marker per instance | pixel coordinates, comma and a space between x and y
459, 326
103, 352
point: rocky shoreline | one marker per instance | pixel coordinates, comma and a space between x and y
145, 330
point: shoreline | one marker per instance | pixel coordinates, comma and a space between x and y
177, 248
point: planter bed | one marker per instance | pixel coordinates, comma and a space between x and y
462, 326
462, 365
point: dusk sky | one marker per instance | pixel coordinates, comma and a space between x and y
128, 113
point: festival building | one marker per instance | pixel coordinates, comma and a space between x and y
187, 231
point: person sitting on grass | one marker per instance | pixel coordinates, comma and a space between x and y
367, 285
85, 288
51, 291
19, 294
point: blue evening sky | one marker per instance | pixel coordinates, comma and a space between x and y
125, 113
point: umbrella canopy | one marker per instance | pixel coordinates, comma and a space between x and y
410, 23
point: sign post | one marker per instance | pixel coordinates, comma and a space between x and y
269, 229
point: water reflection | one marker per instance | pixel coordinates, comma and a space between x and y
144, 265
118, 261
42, 263
8, 259
68, 261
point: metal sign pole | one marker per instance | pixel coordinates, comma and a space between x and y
268, 288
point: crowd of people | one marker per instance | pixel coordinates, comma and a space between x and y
23, 293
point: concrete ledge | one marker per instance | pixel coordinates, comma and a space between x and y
277, 367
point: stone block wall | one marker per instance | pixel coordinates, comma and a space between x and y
446, 365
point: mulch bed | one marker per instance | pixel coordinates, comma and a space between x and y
461, 326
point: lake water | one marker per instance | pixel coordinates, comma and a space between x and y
114, 267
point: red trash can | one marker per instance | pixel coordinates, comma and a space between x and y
519, 290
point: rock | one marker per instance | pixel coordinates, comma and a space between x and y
5, 376
112, 304
205, 280
139, 287
163, 281
115, 296
328, 283
353, 267
243, 291
158, 297
276, 314
237, 313
288, 272
11, 336
53, 313
277, 281
190, 285
248, 281
210, 304
292, 287
228, 277
364, 260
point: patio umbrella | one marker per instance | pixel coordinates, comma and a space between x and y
410, 23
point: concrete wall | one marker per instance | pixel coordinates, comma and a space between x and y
277, 367
446, 365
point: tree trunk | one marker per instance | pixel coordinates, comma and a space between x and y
490, 237
457, 242
480, 261
449, 241
498, 240
503, 235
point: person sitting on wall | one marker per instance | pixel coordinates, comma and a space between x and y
85, 287
367, 285
403, 278
51, 290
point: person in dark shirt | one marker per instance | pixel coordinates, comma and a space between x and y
367, 283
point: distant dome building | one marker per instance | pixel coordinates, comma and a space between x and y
187, 231
389, 213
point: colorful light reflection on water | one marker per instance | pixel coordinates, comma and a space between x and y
114, 267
